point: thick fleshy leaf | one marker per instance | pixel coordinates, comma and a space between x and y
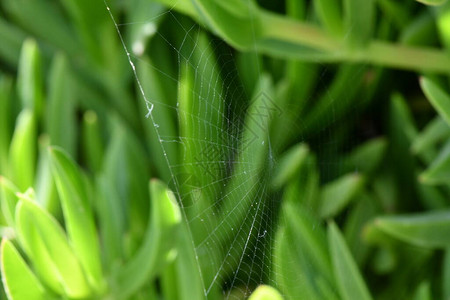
301, 260
235, 20
45, 187
289, 164
348, 278
367, 157
60, 112
156, 247
429, 230
438, 171
337, 194
19, 281
30, 87
46, 244
78, 216
184, 270
8, 200
434, 132
22, 153
6, 115
437, 97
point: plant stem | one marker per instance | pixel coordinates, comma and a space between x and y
283, 37
328, 49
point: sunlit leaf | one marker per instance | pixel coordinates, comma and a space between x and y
46, 244
19, 281
265, 292
22, 153
8, 200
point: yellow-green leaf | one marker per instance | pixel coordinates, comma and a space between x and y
18, 280
78, 215
265, 292
46, 244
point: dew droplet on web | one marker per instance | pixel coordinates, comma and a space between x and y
149, 29
156, 125
138, 48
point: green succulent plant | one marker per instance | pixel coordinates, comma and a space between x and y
297, 156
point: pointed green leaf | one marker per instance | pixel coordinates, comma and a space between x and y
46, 244
18, 280
337, 194
437, 97
367, 157
184, 270
438, 171
355, 221
30, 83
156, 247
429, 229
236, 21
350, 283
22, 153
301, 262
434, 132
78, 215
45, 186
60, 113
289, 164
6, 115
8, 200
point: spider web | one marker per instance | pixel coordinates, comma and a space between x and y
212, 125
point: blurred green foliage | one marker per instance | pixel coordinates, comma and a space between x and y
352, 158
